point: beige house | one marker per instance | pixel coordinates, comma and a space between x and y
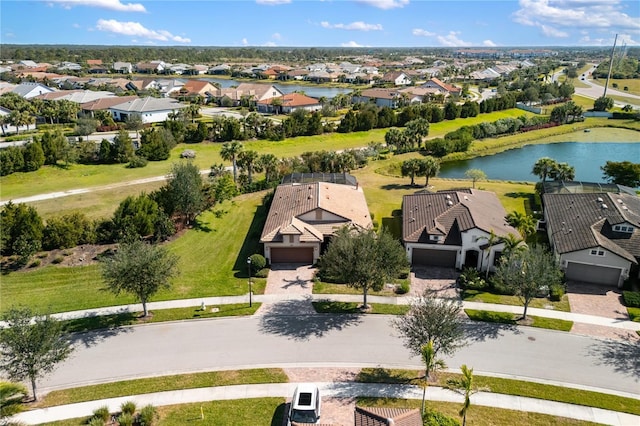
255, 92
303, 217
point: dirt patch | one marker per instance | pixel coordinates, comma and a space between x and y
83, 255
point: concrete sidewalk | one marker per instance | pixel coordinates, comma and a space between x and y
331, 389
403, 300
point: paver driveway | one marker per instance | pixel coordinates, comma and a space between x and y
289, 278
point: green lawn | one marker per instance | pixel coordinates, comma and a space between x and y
330, 288
162, 315
329, 307
634, 314
511, 319
510, 387
212, 263
240, 412
161, 384
538, 302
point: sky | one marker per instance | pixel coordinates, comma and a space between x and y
321, 23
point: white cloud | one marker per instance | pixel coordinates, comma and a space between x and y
351, 44
245, 42
422, 33
552, 32
552, 15
75, 25
452, 40
386, 4
276, 36
138, 30
354, 26
270, 44
116, 5
489, 43
273, 2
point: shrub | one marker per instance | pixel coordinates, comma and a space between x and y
262, 273
148, 415
137, 162
58, 259
95, 421
188, 153
128, 407
556, 291
403, 275
258, 262
403, 288
435, 418
631, 299
35, 263
102, 414
470, 279
125, 419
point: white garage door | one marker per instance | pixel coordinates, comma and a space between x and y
592, 274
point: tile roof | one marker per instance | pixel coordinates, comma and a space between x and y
292, 100
580, 221
105, 103
447, 213
445, 86
77, 96
149, 104
291, 201
384, 416
380, 93
197, 86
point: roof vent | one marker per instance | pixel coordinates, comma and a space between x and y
449, 203
466, 198
599, 199
619, 201
625, 208
448, 197
604, 206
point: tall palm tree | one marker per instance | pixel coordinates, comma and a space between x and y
229, 152
429, 167
563, 172
247, 161
543, 167
512, 243
268, 163
410, 168
523, 223
492, 240
431, 366
465, 387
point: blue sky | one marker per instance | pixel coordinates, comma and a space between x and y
308, 23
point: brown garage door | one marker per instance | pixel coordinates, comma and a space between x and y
292, 255
592, 274
431, 257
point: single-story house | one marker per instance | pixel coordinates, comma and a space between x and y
255, 92
150, 67
151, 110
398, 78
30, 90
452, 228
381, 97
387, 416
289, 103
197, 88
304, 216
445, 88
123, 67
91, 107
10, 128
77, 96
596, 236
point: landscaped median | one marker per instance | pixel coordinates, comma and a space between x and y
266, 410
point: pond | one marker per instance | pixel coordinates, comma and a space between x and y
516, 164
313, 91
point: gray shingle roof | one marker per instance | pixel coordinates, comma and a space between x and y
580, 221
447, 213
149, 104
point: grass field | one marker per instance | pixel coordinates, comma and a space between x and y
212, 263
53, 179
511, 319
633, 84
538, 302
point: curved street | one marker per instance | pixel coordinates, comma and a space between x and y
279, 339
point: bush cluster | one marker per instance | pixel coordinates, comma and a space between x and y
631, 299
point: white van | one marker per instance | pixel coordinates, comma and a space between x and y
305, 405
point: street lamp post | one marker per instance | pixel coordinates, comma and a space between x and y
249, 270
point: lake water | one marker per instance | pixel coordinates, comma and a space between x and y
313, 91
516, 164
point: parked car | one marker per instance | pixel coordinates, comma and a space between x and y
305, 405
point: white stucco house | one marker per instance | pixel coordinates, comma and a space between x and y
595, 236
303, 216
151, 110
452, 228
30, 90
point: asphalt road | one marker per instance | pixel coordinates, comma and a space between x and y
280, 339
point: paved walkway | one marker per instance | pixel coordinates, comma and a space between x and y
331, 389
273, 298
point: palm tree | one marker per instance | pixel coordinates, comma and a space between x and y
511, 243
410, 168
563, 172
229, 152
464, 386
429, 167
523, 223
492, 240
431, 366
268, 163
11, 397
543, 167
247, 161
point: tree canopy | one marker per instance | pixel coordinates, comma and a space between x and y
622, 173
363, 259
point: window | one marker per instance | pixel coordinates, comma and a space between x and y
435, 237
290, 238
596, 252
623, 228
